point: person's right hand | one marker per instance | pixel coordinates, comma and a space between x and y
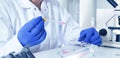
32, 33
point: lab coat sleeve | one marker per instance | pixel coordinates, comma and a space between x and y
13, 45
7, 35
7, 32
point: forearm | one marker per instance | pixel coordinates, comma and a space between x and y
12, 45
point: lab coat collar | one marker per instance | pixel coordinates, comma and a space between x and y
29, 4
25, 3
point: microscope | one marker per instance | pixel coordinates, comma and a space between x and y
114, 40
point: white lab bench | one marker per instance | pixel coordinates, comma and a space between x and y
99, 52
104, 52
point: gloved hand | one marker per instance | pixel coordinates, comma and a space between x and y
32, 33
90, 35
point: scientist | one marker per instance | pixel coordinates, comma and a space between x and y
22, 25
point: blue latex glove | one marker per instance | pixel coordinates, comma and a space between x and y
90, 35
32, 33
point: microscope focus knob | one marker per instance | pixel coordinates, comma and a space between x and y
103, 32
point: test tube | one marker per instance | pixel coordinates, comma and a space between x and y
61, 35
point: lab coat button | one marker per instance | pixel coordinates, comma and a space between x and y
35, 9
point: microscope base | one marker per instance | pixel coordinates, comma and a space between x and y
111, 44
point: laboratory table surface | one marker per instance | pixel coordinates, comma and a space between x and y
98, 52
106, 52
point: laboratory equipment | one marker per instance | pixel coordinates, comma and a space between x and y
113, 3
114, 40
25, 53
103, 32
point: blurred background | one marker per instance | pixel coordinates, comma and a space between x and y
83, 11
104, 15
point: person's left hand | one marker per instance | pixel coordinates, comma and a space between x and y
91, 36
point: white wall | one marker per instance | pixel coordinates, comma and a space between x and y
87, 12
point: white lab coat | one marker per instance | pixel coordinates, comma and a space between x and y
15, 13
